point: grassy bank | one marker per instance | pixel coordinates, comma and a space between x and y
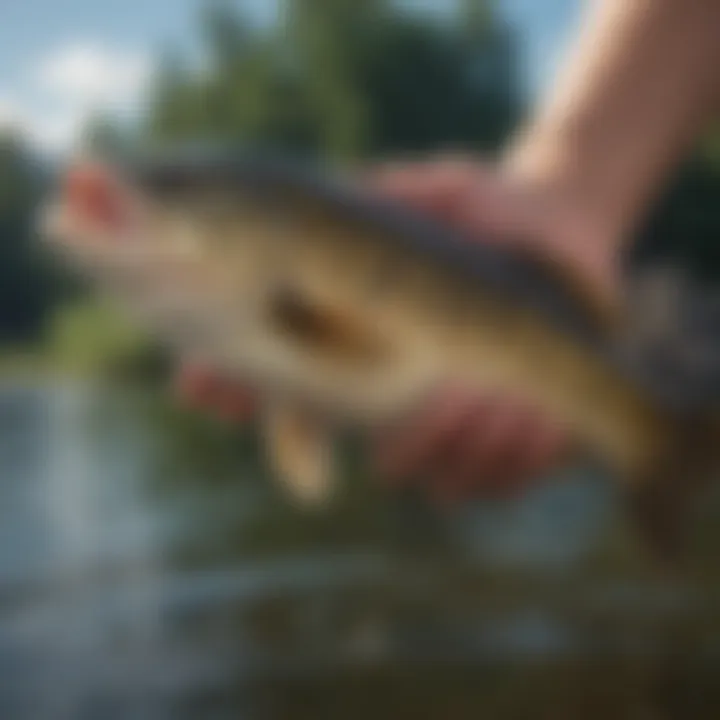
88, 338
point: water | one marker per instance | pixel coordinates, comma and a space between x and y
145, 574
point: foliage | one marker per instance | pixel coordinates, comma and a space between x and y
684, 227
344, 80
92, 338
28, 283
103, 136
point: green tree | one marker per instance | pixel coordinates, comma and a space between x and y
177, 109
684, 226
103, 135
28, 284
346, 80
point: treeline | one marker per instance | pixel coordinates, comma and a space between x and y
29, 283
345, 80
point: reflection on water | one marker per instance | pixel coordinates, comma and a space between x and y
133, 585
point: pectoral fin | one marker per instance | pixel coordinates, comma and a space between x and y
300, 451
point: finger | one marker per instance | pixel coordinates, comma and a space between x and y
488, 215
446, 176
203, 388
410, 450
463, 467
530, 447
437, 188
547, 446
421, 190
195, 384
234, 403
469, 195
490, 451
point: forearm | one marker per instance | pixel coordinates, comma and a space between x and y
638, 88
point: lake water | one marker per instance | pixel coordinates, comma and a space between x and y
147, 572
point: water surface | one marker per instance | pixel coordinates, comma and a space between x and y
147, 571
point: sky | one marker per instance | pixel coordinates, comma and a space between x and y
62, 60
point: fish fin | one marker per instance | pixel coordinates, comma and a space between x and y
299, 448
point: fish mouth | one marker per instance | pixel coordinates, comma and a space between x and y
92, 206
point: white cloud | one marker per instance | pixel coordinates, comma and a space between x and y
8, 112
56, 131
92, 74
71, 83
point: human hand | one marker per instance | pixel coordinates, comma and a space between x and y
464, 444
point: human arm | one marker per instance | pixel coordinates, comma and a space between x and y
638, 86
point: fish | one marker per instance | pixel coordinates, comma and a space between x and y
341, 308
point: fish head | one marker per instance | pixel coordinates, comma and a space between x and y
147, 247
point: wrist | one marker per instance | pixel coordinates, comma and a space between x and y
554, 172
580, 230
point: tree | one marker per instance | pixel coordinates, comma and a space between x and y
177, 110
346, 80
104, 136
684, 226
28, 284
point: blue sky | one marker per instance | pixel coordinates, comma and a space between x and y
61, 59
